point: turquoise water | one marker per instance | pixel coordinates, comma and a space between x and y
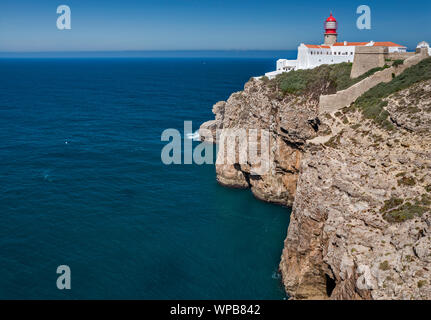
82, 184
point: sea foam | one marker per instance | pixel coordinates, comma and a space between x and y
194, 136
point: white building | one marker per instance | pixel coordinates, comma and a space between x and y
421, 45
311, 56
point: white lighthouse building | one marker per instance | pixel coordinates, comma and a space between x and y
331, 52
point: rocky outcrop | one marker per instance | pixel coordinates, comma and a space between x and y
290, 122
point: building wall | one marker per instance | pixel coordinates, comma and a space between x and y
309, 58
367, 58
399, 55
284, 64
424, 49
363, 58
396, 49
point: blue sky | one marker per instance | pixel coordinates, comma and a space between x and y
29, 25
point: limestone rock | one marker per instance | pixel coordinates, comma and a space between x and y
360, 225
289, 122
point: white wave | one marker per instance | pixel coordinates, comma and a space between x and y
194, 136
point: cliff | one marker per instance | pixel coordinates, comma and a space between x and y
358, 180
287, 108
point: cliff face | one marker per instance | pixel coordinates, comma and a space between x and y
289, 119
358, 180
361, 224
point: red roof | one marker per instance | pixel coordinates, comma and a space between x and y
376, 44
350, 44
331, 19
387, 44
315, 46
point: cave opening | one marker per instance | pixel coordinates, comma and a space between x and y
330, 285
314, 123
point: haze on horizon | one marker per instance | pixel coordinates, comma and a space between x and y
127, 25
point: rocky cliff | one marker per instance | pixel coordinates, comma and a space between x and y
358, 181
291, 120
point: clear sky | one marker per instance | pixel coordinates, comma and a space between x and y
30, 25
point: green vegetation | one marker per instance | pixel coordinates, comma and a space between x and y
345, 83
334, 142
396, 210
318, 80
391, 203
325, 79
407, 181
397, 63
265, 79
409, 258
425, 201
406, 212
345, 120
384, 265
371, 102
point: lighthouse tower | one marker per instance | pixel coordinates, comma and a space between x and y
330, 31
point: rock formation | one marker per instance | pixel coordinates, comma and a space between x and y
290, 121
361, 225
359, 183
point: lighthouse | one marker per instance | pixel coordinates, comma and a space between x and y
330, 31
331, 52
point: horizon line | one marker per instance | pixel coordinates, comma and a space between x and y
150, 50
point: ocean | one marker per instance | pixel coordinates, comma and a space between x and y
82, 184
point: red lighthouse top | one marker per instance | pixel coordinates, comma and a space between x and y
331, 25
331, 18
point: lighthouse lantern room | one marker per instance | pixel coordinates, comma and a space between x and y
330, 30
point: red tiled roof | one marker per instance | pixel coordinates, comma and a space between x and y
315, 46
387, 44
350, 44
376, 44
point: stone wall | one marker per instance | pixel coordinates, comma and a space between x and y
367, 58
399, 55
333, 102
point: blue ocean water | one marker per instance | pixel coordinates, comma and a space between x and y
82, 184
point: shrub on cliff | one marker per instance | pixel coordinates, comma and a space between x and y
398, 62
398, 210
317, 81
325, 79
